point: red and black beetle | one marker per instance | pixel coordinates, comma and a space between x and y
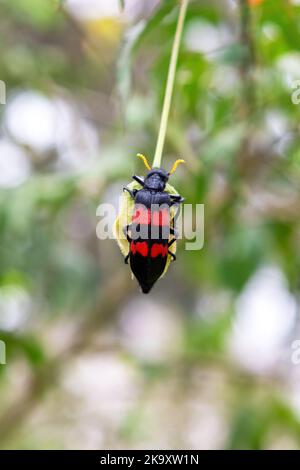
150, 225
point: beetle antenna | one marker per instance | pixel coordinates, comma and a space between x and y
174, 167
142, 157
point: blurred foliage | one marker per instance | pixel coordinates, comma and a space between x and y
233, 121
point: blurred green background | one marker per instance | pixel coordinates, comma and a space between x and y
205, 360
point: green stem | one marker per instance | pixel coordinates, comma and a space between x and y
169, 86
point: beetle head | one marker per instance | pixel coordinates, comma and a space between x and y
156, 179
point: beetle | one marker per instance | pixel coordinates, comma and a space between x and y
150, 224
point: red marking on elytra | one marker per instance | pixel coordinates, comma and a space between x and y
139, 247
157, 217
159, 249
161, 217
142, 216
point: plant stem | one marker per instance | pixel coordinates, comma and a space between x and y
169, 86
248, 60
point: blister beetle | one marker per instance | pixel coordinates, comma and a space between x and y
150, 227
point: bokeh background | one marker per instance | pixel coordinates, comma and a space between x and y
206, 359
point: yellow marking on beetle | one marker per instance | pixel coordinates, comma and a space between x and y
142, 157
174, 167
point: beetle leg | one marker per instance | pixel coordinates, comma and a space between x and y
176, 199
171, 242
172, 254
125, 231
138, 180
174, 232
173, 203
131, 192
